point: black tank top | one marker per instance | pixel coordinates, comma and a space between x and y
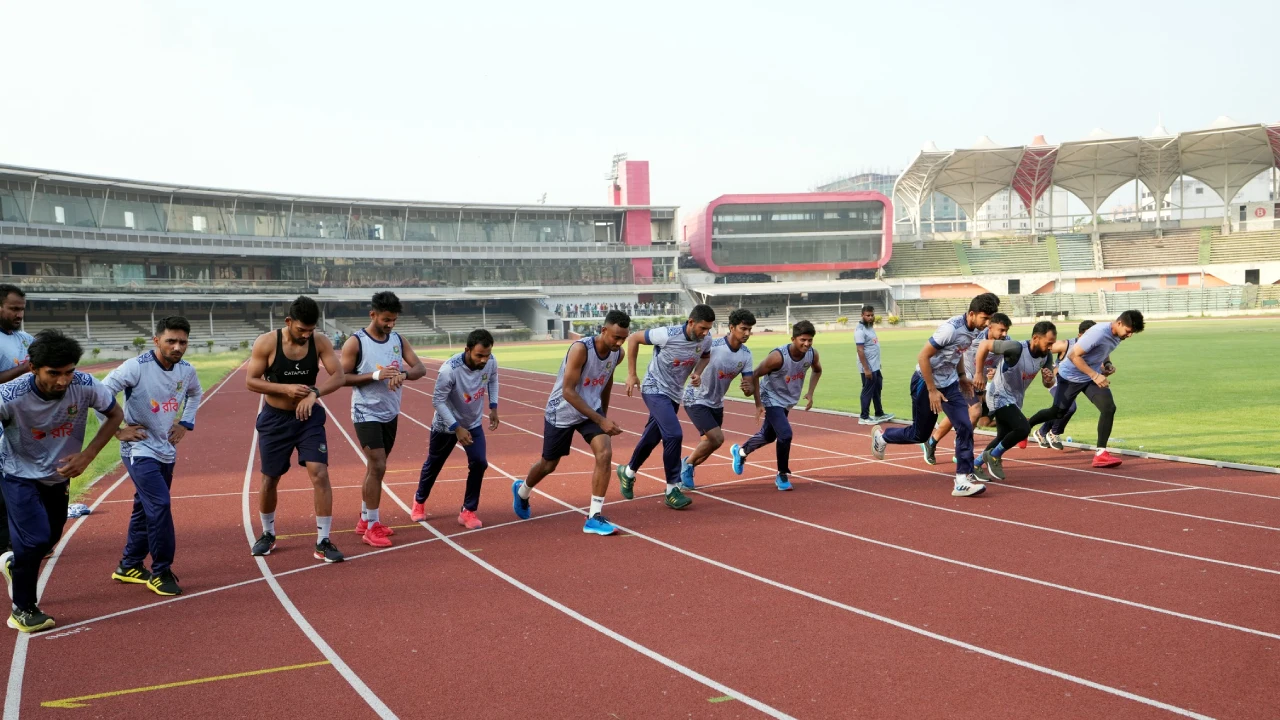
294, 372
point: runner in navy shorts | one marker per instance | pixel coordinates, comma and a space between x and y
280, 433
557, 441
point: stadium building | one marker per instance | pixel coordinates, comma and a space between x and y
101, 257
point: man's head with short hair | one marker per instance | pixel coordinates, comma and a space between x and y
1130, 322
868, 315
173, 332
614, 331
1043, 335
998, 326
479, 347
54, 357
13, 305
700, 320
802, 334
741, 322
981, 308
383, 312
1084, 326
301, 321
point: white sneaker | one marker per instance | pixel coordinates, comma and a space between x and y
867, 421
878, 445
969, 488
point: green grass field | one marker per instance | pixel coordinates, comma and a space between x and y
210, 368
1199, 388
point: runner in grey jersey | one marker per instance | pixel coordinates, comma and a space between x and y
580, 403
1017, 365
376, 361
997, 329
44, 415
676, 350
709, 383
779, 380
1050, 433
13, 358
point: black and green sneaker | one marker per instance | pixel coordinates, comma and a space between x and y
929, 449
136, 574
995, 465
165, 583
626, 484
30, 620
677, 500
328, 552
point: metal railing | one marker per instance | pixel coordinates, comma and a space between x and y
72, 283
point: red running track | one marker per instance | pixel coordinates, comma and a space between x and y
868, 590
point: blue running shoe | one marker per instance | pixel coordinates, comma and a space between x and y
598, 524
686, 474
739, 459
782, 481
519, 504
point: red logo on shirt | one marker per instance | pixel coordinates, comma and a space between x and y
468, 397
595, 382
61, 431
170, 405
681, 363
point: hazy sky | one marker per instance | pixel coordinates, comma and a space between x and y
502, 102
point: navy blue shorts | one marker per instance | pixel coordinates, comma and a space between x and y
556, 441
280, 433
705, 418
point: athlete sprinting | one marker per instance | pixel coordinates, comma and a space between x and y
997, 329
376, 361
283, 367
1050, 433
1018, 364
466, 385
579, 403
778, 382
159, 387
940, 385
709, 383
44, 414
1085, 371
676, 350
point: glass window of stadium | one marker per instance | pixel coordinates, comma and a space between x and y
797, 233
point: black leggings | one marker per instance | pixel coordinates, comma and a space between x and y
1066, 395
1012, 427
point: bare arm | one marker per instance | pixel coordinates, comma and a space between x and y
416, 369
74, 465
1076, 356
980, 360
771, 363
633, 351
862, 358
332, 365
813, 380
695, 378
350, 354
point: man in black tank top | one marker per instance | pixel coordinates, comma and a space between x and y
283, 368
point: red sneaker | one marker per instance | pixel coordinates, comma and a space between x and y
362, 527
419, 512
468, 519
1105, 459
377, 535
1022, 445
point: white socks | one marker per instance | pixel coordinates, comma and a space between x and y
597, 506
524, 491
372, 515
268, 522
364, 511
961, 479
626, 470
323, 524
672, 488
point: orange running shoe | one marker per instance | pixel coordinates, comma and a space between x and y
419, 512
468, 519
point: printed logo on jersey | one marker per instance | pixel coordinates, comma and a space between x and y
395, 349
596, 381
72, 409
479, 395
170, 405
729, 374
61, 431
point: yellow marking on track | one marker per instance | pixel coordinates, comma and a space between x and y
82, 701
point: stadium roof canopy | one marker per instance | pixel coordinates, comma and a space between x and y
1226, 156
142, 186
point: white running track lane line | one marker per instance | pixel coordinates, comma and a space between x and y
18, 665
374, 702
888, 620
1142, 492
541, 376
1019, 523
354, 558
981, 568
613, 635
